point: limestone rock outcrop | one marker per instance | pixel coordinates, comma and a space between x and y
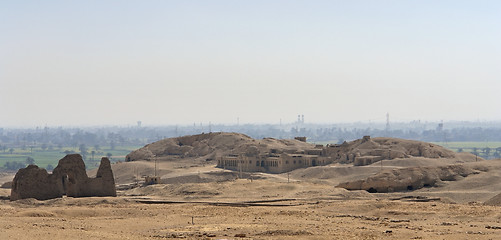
407, 179
369, 150
68, 178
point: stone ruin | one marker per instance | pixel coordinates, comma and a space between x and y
68, 178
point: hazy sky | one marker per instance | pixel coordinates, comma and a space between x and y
180, 62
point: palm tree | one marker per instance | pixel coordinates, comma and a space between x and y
487, 151
49, 167
497, 153
83, 150
30, 160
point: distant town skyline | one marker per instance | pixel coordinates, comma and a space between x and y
183, 62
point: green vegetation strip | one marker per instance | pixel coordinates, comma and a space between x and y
43, 158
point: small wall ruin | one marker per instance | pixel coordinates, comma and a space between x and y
68, 178
150, 180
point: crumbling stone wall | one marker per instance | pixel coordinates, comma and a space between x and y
68, 178
34, 182
104, 182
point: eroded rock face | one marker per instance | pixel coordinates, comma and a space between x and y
407, 179
368, 150
68, 178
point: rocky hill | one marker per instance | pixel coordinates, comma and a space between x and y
368, 150
211, 145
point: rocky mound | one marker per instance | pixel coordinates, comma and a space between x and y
210, 145
368, 150
7, 185
494, 201
406, 179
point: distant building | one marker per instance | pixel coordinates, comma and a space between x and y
150, 180
274, 162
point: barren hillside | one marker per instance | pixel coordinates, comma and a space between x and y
208, 146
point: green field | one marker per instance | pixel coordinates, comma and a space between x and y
487, 150
44, 158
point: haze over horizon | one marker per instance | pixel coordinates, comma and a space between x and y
180, 62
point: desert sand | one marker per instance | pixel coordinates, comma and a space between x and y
241, 209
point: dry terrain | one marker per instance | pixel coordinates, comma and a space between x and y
196, 200
242, 209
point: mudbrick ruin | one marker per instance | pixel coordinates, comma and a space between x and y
68, 178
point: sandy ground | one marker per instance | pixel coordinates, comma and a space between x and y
241, 209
